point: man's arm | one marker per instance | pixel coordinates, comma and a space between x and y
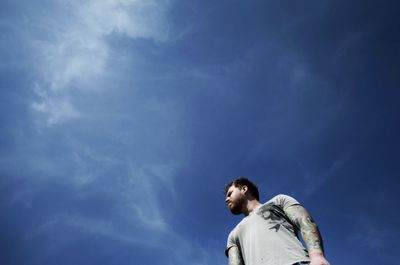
309, 232
234, 256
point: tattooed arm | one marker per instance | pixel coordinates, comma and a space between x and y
234, 256
309, 232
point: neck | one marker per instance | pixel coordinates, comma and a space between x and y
250, 206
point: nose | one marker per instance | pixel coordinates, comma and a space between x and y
226, 200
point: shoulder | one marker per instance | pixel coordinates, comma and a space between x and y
283, 200
233, 236
238, 229
233, 232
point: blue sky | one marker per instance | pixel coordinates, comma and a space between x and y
121, 121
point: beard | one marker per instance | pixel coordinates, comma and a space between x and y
237, 206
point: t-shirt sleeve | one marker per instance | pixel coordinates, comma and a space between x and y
284, 201
231, 242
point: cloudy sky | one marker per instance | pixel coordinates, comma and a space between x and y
121, 121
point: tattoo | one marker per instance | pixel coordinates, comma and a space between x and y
234, 256
276, 216
309, 230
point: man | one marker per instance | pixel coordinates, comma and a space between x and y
267, 235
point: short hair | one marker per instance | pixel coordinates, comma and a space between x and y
252, 188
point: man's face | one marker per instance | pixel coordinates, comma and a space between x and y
235, 199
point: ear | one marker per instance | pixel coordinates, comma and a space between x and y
244, 189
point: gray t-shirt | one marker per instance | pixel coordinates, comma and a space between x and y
267, 237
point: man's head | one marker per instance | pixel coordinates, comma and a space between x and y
238, 193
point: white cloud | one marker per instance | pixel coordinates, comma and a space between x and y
55, 109
72, 48
135, 18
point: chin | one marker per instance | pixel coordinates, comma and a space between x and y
235, 211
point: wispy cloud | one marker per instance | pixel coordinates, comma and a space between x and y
73, 48
315, 182
141, 194
138, 217
369, 235
352, 41
374, 236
